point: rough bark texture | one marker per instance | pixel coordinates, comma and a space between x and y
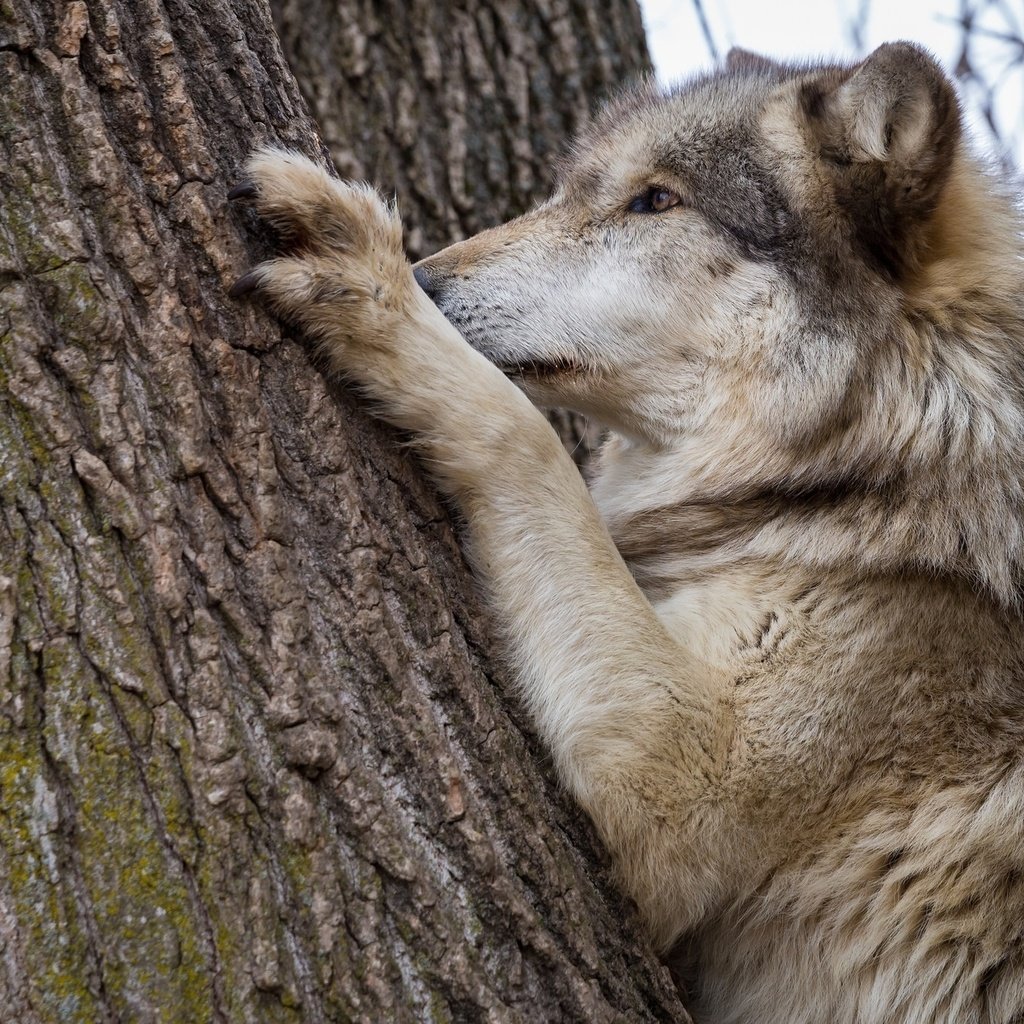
255, 761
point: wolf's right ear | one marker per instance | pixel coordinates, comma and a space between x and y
888, 129
897, 106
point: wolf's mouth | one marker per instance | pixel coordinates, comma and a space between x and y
537, 368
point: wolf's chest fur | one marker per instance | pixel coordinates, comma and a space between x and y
873, 776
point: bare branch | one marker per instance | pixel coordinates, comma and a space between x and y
698, 6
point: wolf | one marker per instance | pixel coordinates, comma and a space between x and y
776, 650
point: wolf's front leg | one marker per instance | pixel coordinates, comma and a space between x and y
632, 719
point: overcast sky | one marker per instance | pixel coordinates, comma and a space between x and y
807, 28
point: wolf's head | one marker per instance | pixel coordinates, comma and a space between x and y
773, 266
734, 234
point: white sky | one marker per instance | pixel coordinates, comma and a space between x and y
809, 28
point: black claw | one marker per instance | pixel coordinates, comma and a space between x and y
245, 284
245, 190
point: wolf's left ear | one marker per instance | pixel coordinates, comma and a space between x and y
740, 61
889, 129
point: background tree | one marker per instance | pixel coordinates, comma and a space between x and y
256, 760
990, 68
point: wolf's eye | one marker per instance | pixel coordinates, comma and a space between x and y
655, 200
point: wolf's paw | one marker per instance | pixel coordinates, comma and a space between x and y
345, 277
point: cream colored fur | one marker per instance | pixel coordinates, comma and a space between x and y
781, 667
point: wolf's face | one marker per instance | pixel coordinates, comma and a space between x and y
734, 246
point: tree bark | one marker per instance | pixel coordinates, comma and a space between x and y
256, 761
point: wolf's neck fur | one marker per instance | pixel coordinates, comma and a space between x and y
928, 475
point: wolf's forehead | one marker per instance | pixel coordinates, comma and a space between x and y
703, 123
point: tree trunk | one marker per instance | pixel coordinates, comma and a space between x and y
256, 762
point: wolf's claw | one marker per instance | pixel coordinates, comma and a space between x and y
244, 190
245, 284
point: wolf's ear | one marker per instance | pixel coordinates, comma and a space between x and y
888, 130
743, 61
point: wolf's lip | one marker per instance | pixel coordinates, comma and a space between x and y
536, 367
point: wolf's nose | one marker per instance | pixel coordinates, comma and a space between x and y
426, 281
